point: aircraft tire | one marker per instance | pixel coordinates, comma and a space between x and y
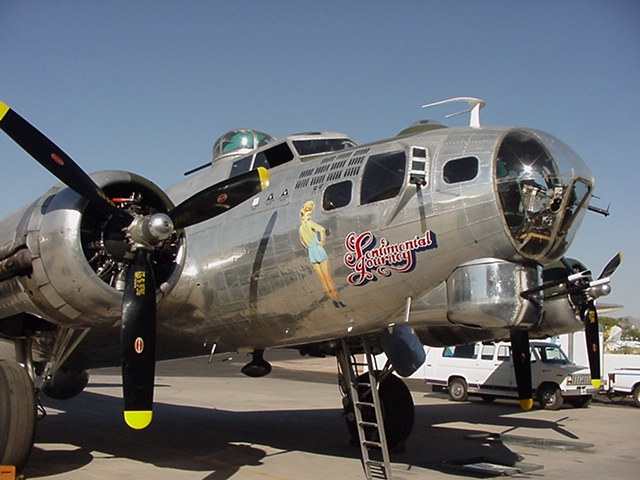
397, 410
17, 414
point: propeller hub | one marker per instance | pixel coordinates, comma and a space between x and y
146, 231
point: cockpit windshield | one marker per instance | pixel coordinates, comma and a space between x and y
322, 145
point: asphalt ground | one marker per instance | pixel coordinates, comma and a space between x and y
211, 422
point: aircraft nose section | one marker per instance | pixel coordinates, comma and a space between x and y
543, 187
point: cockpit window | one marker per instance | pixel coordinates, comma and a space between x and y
274, 156
460, 170
383, 177
241, 166
321, 145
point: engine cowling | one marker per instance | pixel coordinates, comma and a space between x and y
78, 252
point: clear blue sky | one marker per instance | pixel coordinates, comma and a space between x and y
147, 86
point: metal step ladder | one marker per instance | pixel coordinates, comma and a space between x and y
367, 412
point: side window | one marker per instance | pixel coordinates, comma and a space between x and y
504, 353
240, 166
274, 156
337, 195
466, 351
488, 351
460, 170
383, 177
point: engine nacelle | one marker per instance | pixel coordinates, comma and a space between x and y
78, 252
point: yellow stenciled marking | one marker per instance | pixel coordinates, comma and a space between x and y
596, 383
140, 284
4, 108
138, 419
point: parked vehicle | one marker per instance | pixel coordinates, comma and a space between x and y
487, 370
623, 382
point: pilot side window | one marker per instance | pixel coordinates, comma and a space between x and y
460, 170
337, 195
241, 166
274, 156
383, 177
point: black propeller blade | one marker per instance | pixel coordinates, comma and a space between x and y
592, 334
54, 159
138, 341
219, 198
591, 290
521, 354
144, 233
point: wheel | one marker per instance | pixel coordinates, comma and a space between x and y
581, 402
397, 411
458, 390
615, 396
17, 414
550, 397
636, 396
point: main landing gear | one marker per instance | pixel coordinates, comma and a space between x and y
378, 408
18, 414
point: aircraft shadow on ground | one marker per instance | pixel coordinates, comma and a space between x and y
220, 442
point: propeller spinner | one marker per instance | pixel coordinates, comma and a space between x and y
144, 233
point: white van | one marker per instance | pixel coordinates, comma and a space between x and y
487, 370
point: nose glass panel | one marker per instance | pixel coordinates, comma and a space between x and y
542, 185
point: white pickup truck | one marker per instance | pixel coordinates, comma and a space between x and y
623, 382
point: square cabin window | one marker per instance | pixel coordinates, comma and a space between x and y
337, 195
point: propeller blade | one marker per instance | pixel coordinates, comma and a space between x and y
219, 198
521, 354
611, 267
138, 341
54, 159
592, 334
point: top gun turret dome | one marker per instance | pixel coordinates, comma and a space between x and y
238, 142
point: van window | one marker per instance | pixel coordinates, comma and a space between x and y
465, 351
552, 354
488, 351
504, 353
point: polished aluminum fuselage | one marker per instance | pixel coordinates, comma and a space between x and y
245, 280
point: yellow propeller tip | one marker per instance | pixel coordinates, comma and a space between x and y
138, 419
526, 404
4, 108
265, 178
596, 383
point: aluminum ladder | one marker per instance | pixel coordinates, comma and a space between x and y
368, 413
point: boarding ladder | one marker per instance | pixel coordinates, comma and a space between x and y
362, 391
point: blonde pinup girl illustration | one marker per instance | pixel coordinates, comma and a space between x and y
312, 236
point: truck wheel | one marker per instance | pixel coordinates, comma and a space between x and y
581, 402
458, 390
636, 396
17, 414
550, 397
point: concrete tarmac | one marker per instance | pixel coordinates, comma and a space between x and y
212, 423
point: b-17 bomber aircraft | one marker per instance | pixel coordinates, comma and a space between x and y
436, 236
